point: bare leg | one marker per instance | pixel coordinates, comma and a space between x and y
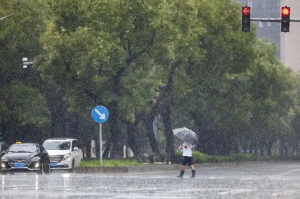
181, 171
182, 168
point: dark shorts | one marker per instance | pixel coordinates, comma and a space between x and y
187, 161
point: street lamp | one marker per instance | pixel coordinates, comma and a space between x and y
26, 62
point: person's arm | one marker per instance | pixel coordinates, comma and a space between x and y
183, 146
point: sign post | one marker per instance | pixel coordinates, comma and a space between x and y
100, 114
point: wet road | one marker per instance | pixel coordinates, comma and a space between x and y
263, 180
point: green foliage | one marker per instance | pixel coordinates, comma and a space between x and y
244, 157
19, 35
21, 107
200, 158
228, 86
110, 163
28, 105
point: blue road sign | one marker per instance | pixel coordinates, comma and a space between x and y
100, 114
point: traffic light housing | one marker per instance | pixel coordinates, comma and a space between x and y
285, 19
246, 19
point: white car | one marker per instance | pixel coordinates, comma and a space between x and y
64, 153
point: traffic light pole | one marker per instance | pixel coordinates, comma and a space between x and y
272, 19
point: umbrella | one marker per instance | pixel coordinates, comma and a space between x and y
186, 135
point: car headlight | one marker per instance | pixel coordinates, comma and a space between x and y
66, 156
35, 159
4, 159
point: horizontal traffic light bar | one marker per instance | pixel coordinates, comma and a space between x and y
272, 19
284, 20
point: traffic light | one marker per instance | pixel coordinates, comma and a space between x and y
245, 19
285, 19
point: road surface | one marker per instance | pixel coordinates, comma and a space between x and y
257, 180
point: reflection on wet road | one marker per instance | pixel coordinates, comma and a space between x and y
263, 180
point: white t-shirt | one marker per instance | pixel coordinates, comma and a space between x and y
187, 149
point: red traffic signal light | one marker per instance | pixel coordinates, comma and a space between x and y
285, 19
246, 19
285, 11
246, 10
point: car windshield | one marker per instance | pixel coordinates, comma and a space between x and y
57, 145
22, 148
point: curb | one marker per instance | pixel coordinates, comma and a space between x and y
130, 169
146, 168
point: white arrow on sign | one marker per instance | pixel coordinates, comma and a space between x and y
102, 115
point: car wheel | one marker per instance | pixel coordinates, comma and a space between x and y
3, 172
72, 169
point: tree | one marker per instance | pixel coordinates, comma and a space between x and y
215, 83
274, 92
17, 40
101, 60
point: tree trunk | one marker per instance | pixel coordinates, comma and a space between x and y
282, 148
117, 144
255, 148
72, 124
236, 148
107, 148
269, 145
131, 133
206, 136
170, 149
261, 147
251, 147
148, 120
88, 149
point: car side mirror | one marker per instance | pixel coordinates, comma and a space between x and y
76, 148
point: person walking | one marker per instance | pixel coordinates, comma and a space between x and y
187, 159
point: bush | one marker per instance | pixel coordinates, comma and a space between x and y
243, 157
200, 158
217, 159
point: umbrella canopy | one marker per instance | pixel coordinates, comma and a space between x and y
186, 135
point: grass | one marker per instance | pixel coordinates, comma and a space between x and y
199, 158
109, 163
